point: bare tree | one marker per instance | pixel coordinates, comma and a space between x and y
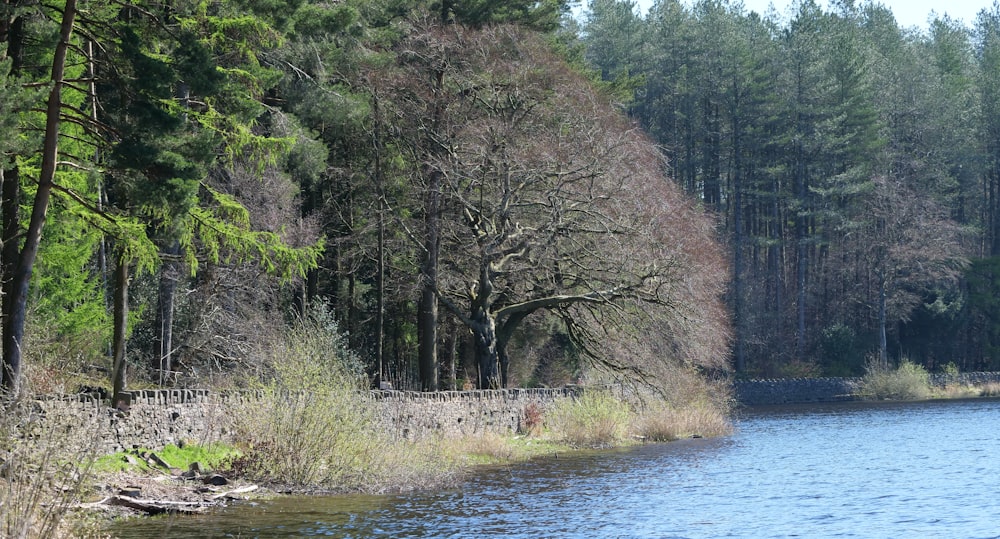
906, 244
552, 201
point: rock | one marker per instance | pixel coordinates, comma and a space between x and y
215, 479
155, 460
131, 491
195, 467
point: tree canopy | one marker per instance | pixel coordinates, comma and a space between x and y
848, 159
445, 177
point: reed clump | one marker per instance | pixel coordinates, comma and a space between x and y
663, 422
991, 389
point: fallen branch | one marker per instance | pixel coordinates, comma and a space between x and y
243, 490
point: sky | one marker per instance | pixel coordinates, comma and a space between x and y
908, 12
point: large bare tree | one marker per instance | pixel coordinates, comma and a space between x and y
550, 200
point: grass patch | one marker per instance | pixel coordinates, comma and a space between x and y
209, 457
488, 449
909, 381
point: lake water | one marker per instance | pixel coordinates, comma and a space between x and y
842, 470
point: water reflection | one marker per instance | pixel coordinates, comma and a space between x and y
843, 470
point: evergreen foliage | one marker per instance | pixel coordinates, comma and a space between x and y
790, 128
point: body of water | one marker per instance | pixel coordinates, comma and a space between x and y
903, 470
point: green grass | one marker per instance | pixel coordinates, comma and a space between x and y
209, 457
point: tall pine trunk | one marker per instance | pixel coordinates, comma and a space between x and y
883, 355
21, 279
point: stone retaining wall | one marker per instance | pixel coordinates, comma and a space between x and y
155, 418
414, 415
805, 390
794, 390
152, 420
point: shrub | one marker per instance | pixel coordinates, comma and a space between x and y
533, 422
312, 426
42, 472
595, 419
909, 381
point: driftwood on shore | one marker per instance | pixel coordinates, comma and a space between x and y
150, 507
158, 507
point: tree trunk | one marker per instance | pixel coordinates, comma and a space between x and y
380, 302
14, 318
738, 316
446, 359
10, 199
504, 333
487, 357
883, 356
428, 316
164, 343
120, 330
10, 183
10, 207
381, 266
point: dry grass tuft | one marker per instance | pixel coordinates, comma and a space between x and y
661, 422
596, 419
991, 389
956, 391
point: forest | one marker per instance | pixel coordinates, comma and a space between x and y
853, 166
489, 194
444, 184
